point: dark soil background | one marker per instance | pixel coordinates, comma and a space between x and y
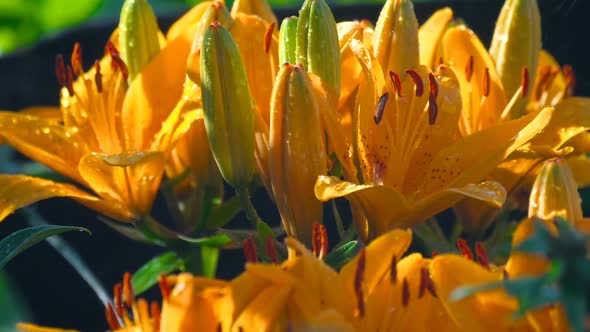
56, 295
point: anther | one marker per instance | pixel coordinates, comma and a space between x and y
417, 81
164, 286
358, 283
118, 299
393, 271
464, 248
505, 275
405, 293
268, 36
319, 240
250, 250
486, 82
380, 109
116, 60
426, 283
365, 24
97, 77
433, 254
432, 109
76, 59
112, 318
155, 313
469, 68
396, 84
271, 250
60, 70
128, 289
525, 82
70, 81
482, 255
570, 80
433, 85
544, 74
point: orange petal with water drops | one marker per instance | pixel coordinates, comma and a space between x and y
51, 114
153, 95
570, 118
483, 311
430, 36
17, 191
52, 145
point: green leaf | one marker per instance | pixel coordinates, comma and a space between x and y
222, 214
209, 258
211, 241
264, 231
52, 15
147, 275
13, 309
338, 257
23, 239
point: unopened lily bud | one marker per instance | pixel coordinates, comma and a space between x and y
297, 151
138, 35
288, 41
228, 107
555, 193
215, 13
260, 8
317, 42
515, 45
395, 40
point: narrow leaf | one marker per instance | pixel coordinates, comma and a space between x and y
337, 258
148, 274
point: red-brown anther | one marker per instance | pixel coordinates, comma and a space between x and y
428, 283
433, 254
469, 68
358, 283
97, 77
111, 50
118, 299
128, 289
271, 250
423, 282
365, 24
396, 84
486, 82
432, 109
464, 248
116, 61
570, 80
405, 293
393, 272
112, 319
505, 275
164, 286
482, 255
155, 313
433, 85
77, 60
380, 109
417, 82
60, 70
268, 36
544, 74
250, 250
525, 82
70, 81
319, 240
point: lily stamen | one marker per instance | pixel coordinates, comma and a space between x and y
155, 313
393, 271
418, 84
521, 92
111, 318
469, 68
380, 109
76, 60
97, 77
164, 287
250, 250
405, 293
271, 250
319, 241
482, 255
464, 248
118, 299
358, 284
60, 70
570, 80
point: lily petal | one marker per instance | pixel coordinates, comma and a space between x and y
430, 36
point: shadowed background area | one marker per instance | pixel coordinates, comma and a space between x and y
52, 290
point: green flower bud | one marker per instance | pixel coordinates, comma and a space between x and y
317, 42
288, 41
395, 40
516, 44
138, 35
227, 106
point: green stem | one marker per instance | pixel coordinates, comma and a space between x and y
338, 218
244, 197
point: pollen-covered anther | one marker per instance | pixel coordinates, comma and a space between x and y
469, 68
97, 77
395, 82
380, 109
482, 255
486, 82
155, 313
418, 83
164, 286
128, 290
60, 70
70, 81
525, 82
393, 271
111, 317
405, 293
118, 299
268, 36
271, 249
76, 59
358, 284
250, 250
464, 248
319, 240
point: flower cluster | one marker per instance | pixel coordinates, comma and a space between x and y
403, 120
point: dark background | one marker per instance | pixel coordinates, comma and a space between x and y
56, 295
